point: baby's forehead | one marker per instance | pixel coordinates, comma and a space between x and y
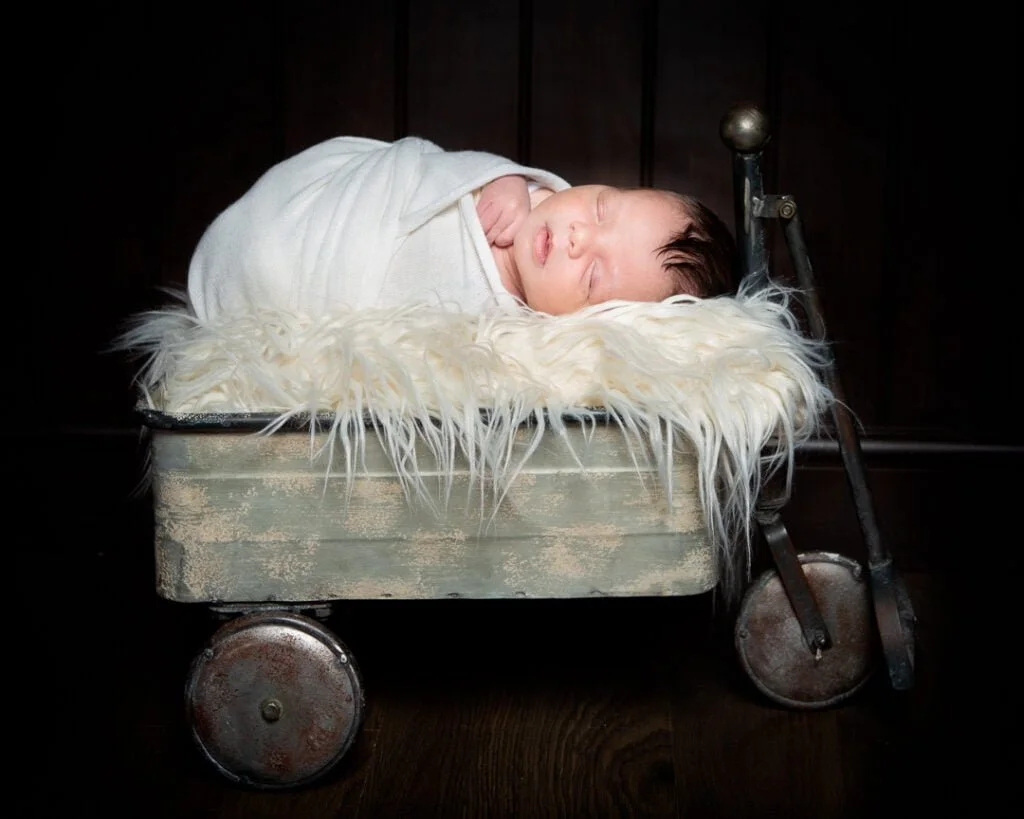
657, 196
661, 207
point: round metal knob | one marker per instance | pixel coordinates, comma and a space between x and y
744, 128
270, 709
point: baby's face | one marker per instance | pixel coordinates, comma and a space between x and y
595, 243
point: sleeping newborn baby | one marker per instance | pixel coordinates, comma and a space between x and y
360, 223
561, 251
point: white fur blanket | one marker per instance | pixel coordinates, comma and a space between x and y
731, 378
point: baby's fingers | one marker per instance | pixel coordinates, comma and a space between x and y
505, 236
498, 226
488, 216
508, 228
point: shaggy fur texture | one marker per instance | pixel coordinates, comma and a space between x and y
732, 379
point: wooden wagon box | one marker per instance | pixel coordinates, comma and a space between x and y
244, 517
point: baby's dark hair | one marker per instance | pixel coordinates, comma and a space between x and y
702, 258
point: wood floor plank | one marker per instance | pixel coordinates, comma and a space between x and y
561, 712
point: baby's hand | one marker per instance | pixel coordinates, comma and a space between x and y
502, 208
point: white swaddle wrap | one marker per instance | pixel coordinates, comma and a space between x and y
355, 223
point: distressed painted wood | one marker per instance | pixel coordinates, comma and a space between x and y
245, 518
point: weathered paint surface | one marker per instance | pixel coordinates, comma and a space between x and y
245, 518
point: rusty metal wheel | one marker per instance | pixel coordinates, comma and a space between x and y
274, 700
772, 647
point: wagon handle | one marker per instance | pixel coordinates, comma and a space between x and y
745, 130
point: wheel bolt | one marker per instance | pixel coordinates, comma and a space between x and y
271, 709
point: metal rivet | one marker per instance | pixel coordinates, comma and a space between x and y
271, 709
744, 634
787, 210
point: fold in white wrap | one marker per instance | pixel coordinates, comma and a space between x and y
355, 223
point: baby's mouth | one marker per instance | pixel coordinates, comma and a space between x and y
542, 245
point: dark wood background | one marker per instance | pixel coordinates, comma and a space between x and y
895, 129
892, 130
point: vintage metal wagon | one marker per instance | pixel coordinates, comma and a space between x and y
249, 526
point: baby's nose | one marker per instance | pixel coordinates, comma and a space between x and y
579, 238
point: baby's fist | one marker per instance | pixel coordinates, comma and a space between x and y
502, 208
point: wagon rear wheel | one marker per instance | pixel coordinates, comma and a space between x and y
274, 700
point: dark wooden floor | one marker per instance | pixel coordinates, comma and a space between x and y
586, 708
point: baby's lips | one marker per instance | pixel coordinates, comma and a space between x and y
541, 245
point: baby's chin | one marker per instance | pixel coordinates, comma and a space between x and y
521, 252
509, 268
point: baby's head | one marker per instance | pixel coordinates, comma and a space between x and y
594, 243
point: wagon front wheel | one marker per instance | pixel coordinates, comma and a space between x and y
772, 647
274, 700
